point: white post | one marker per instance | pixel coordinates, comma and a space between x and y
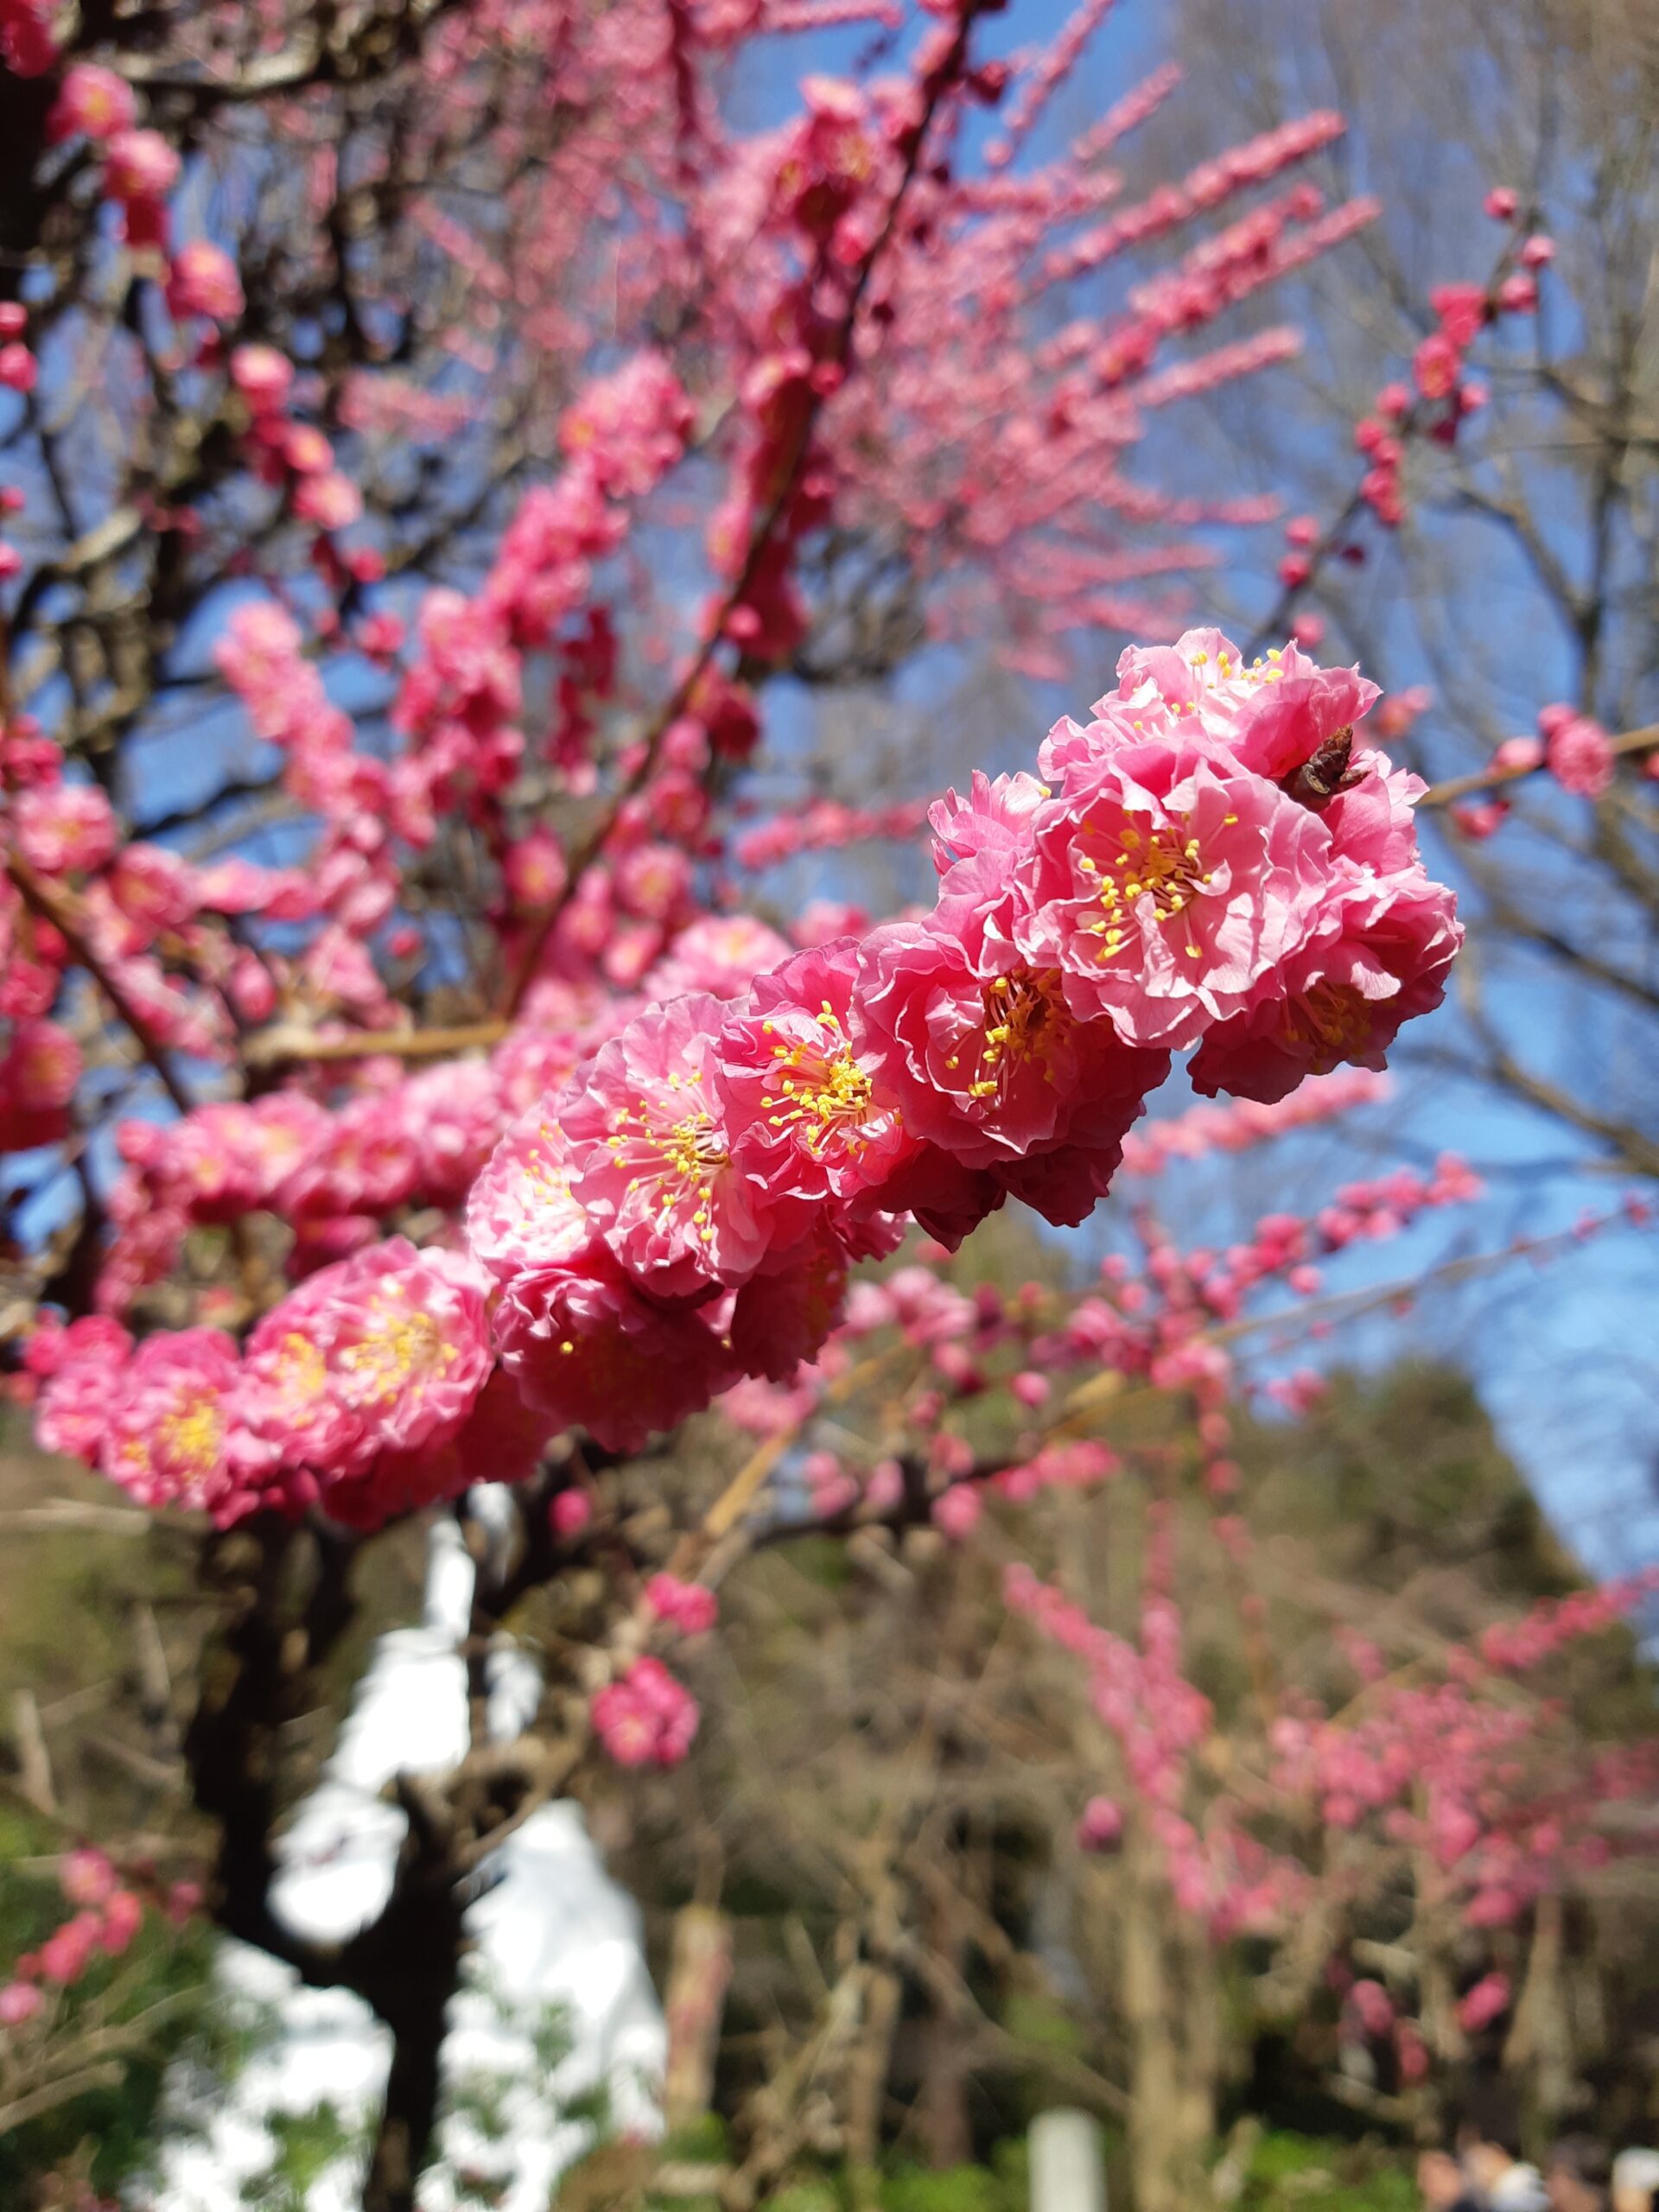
1068, 2172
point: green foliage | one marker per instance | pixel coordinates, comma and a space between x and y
144, 2007
1304, 2173
958, 2188
307, 2145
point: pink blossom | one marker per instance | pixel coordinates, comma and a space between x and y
812, 1118
330, 500
87, 1362
1487, 2001
154, 888
1519, 755
202, 280
122, 1918
652, 1155
721, 955
691, 1607
1381, 959
86, 1877
19, 2002
569, 1512
1481, 819
956, 1512
263, 375
588, 1349
1435, 365
535, 871
170, 1426
1270, 715
139, 165
67, 1952
1165, 883
1100, 1824
1579, 755
1372, 2008
20, 370
521, 1217
630, 427
64, 829
91, 102
997, 1072
645, 1718
41, 1066
1501, 203
385, 1352
183, 1900
785, 1313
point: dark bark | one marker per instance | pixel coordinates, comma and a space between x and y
288, 1599
417, 1944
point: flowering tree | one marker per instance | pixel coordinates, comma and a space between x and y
1485, 549
1119, 1731
434, 425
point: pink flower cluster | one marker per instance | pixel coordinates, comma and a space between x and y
1478, 1786
645, 1718
1211, 861
690, 1607
108, 1917
368, 1387
823, 826
1512, 1647
1575, 748
1247, 1122
1217, 1871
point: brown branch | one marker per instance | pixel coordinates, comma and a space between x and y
946, 74
287, 1044
45, 900
1488, 779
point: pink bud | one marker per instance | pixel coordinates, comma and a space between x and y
263, 375
19, 2001
19, 369
1520, 755
568, 1513
86, 1877
1501, 203
956, 1512
1100, 1824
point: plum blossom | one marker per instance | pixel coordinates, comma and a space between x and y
202, 281
645, 1718
812, 1117
652, 1160
1577, 752
384, 1353
170, 1431
91, 102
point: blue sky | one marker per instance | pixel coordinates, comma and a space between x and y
1563, 1352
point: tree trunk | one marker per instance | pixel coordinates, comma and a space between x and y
1169, 2000
410, 1992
